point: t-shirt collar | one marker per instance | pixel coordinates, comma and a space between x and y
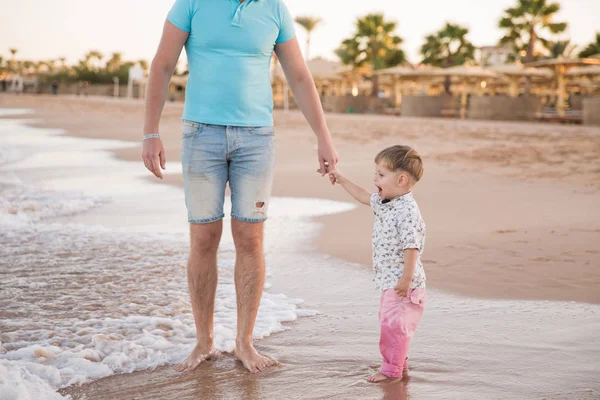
397, 200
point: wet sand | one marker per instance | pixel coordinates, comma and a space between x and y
512, 214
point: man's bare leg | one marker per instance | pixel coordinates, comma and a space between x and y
249, 281
202, 283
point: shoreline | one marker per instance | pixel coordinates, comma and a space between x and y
347, 236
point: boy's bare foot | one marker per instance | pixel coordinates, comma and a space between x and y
253, 361
196, 357
378, 377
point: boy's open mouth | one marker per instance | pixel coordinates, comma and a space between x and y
378, 190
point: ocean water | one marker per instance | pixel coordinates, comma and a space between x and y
93, 278
93, 284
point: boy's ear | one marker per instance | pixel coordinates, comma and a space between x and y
406, 180
402, 179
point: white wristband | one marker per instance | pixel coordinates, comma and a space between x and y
151, 135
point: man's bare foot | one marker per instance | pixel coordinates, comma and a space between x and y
253, 361
379, 377
196, 357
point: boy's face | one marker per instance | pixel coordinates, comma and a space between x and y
389, 183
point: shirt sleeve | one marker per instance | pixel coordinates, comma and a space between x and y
411, 229
181, 14
286, 24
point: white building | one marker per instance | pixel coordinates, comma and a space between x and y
494, 55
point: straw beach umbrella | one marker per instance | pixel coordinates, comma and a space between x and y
516, 71
590, 70
561, 67
402, 73
467, 74
588, 73
330, 77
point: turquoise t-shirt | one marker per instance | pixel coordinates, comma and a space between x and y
229, 51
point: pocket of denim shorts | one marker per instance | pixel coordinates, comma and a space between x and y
191, 128
263, 130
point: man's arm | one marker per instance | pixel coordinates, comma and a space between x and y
307, 98
161, 70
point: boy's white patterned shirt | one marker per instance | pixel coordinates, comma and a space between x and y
398, 226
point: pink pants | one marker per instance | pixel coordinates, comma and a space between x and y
399, 317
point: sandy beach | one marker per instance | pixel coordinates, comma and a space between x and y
512, 257
512, 206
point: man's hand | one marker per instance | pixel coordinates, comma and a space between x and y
402, 287
328, 158
153, 154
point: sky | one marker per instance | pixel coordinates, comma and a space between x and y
42, 30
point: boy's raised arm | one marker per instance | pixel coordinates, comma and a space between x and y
358, 192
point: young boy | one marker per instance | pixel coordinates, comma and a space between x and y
398, 241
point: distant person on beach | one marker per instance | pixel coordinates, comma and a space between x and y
398, 241
228, 136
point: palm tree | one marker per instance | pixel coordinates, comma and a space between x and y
115, 62
63, 62
560, 48
41, 67
374, 44
11, 64
48, 66
127, 65
28, 65
144, 64
92, 59
592, 48
309, 24
448, 47
525, 22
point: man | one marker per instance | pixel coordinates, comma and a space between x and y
228, 137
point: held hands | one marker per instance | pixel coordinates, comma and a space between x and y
328, 158
153, 154
335, 176
402, 287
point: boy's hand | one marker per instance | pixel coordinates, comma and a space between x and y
402, 287
359, 193
335, 176
331, 175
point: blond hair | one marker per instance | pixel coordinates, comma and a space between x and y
403, 158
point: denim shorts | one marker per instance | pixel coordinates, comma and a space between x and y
213, 155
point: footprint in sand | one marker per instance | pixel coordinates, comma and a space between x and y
540, 259
501, 231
